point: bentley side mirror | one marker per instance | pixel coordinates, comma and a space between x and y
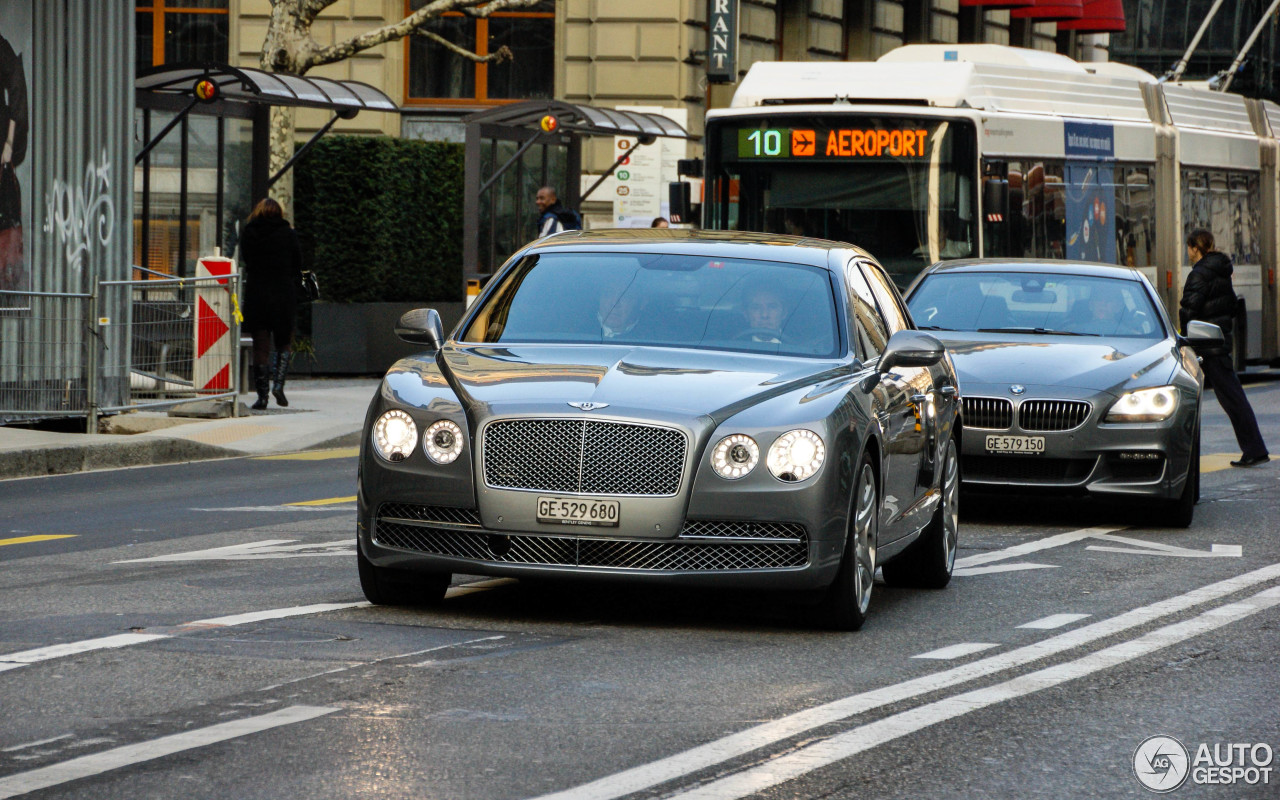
1204, 335
421, 326
911, 349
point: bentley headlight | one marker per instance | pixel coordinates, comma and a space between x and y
735, 456
1145, 405
443, 442
394, 435
796, 455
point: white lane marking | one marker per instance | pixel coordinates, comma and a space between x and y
1054, 621
865, 737
754, 738
1143, 547
25, 657
269, 548
1017, 566
384, 658
277, 613
98, 763
957, 650
15, 748
72, 648
1057, 540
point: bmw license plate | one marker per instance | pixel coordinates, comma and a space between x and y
585, 511
1024, 445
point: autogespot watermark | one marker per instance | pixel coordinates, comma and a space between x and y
1162, 764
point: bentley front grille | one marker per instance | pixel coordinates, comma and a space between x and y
583, 457
733, 529
572, 551
1052, 415
439, 514
990, 413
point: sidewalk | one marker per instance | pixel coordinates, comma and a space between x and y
321, 414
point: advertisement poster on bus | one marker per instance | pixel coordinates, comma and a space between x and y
1090, 192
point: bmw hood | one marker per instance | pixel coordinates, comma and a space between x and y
1085, 363
631, 380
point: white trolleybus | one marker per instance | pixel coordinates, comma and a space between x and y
954, 151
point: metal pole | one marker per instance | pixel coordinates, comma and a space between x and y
1230, 72
91, 368
1180, 65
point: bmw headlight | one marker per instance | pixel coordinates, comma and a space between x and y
443, 442
796, 455
735, 456
1144, 405
394, 435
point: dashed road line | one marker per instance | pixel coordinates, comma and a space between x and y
326, 502
957, 651
769, 733
314, 455
108, 760
1017, 566
1026, 548
36, 655
1054, 621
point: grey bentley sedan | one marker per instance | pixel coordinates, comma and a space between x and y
1074, 380
698, 408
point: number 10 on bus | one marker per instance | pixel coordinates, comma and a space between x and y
764, 143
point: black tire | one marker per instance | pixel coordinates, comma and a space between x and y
929, 561
396, 587
1179, 512
844, 608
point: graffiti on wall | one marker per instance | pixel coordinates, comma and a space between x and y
84, 215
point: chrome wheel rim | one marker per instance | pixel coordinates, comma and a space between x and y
864, 530
950, 507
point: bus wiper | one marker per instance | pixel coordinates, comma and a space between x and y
1044, 331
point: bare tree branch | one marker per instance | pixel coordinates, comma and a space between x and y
406, 26
501, 54
311, 9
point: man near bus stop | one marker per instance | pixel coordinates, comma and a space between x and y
553, 216
1208, 296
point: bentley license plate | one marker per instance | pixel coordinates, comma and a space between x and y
1027, 445
586, 511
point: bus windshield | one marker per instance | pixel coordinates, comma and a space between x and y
902, 188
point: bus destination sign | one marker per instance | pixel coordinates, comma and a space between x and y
833, 143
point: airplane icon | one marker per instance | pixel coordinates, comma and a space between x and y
802, 143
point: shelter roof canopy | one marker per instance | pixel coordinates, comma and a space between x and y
582, 119
248, 85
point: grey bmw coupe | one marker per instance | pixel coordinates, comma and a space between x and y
710, 408
1074, 380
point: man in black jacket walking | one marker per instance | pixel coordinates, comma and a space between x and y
1209, 297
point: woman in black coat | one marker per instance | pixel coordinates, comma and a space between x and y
1208, 296
271, 259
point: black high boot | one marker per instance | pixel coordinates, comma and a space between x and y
279, 368
261, 383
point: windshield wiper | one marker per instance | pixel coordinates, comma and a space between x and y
933, 328
1046, 331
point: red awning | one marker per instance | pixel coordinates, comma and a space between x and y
996, 5
1051, 11
1100, 16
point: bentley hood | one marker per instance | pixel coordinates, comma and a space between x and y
539, 378
1087, 363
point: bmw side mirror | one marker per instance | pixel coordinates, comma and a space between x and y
421, 326
1204, 335
911, 349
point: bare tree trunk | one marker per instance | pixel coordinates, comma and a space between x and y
283, 129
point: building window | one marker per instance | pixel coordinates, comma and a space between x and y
178, 31
437, 76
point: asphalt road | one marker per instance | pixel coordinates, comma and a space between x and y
201, 634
